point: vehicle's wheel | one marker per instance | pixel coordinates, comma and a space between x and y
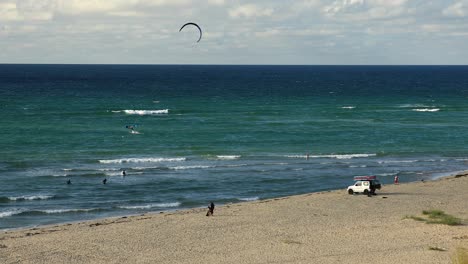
366, 192
350, 191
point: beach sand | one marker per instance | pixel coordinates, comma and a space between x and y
324, 227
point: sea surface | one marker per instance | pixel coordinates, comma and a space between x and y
222, 134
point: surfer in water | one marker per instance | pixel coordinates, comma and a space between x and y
68, 181
104, 181
124, 173
132, 129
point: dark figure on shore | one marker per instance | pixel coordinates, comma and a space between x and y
68, 181
210, 209
104, 181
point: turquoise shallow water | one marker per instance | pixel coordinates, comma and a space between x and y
216, 133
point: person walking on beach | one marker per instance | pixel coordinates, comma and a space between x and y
210, 209
395, 180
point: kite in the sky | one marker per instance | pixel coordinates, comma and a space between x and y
193, 24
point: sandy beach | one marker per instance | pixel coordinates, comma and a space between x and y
324, 227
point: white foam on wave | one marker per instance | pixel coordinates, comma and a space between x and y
61, 211
348, 107
140, 160
149, 206
248, 199
190, 167
426, 109
413, 106
30, 197
147, 112
228, 157
397, 161
11, 213
358, 166
338, 156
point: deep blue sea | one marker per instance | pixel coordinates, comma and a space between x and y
224, 134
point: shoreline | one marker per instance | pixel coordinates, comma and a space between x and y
432, 178
322, 227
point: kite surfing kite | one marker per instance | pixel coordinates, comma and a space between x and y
193, 24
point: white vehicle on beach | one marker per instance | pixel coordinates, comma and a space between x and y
364, 184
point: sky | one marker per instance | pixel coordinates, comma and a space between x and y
311, 32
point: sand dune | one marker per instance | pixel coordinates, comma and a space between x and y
325, 227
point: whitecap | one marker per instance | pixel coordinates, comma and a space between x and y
30, 197
337, 156
228, 157
190, 167
248, 199
138, 160
10, 213
397, 161
149, 206
147, 112
426, 109
358, 166
348, 107
61, 211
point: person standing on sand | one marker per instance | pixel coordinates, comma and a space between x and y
210, 209
395, 180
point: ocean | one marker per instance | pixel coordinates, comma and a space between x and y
222, 134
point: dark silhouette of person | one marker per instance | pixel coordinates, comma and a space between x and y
124, 173
104, 181
68, 181
210, 209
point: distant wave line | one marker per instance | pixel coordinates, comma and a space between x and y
147, 112
30, 197
228, 157
338, 156
149, 206
140, 160
426, 109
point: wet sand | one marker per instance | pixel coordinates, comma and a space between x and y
324, 227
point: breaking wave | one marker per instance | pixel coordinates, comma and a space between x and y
30, 197
147, 112
11, 213
341, 156
248, 199
228, 157
149, 206
191, 167
139, 160
426, 109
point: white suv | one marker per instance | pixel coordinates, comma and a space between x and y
364, 184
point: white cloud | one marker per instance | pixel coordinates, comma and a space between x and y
268, 33
342, 6
250, 10
232, 30
8, 11
459, 9
216, 2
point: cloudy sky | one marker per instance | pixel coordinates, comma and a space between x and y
234, 32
